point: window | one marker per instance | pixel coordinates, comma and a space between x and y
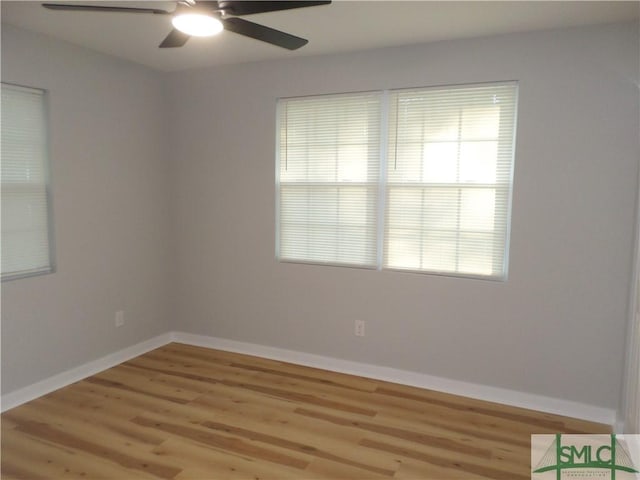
25, 189
449, 179
328, 179
415, 180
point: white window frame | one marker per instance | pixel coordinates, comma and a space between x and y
356, 190
383, 186
44, 232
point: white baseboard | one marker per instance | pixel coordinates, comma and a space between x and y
405, 377
35, 390
481, 392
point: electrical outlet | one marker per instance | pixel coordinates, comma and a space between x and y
119, 318
359, 328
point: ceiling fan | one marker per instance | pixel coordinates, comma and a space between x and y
204, 18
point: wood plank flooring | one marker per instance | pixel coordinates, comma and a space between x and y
183, 412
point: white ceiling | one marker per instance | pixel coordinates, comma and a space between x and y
344, 25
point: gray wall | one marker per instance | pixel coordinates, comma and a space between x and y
555, 328
174, 222
110, 201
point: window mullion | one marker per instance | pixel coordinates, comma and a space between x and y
459, 204
382, 178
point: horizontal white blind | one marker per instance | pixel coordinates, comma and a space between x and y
327, 178
25, 229
449, 171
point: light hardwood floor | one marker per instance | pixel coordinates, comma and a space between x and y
183, 412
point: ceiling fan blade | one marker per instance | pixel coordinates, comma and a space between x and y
242, 7
96, 8
175, 39
266, 34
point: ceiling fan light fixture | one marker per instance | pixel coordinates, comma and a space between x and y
197, 24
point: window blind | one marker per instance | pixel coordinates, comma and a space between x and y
414, 179
449, 170
327, 179
24, 181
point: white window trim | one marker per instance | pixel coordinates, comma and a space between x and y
52, 266
382, 188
